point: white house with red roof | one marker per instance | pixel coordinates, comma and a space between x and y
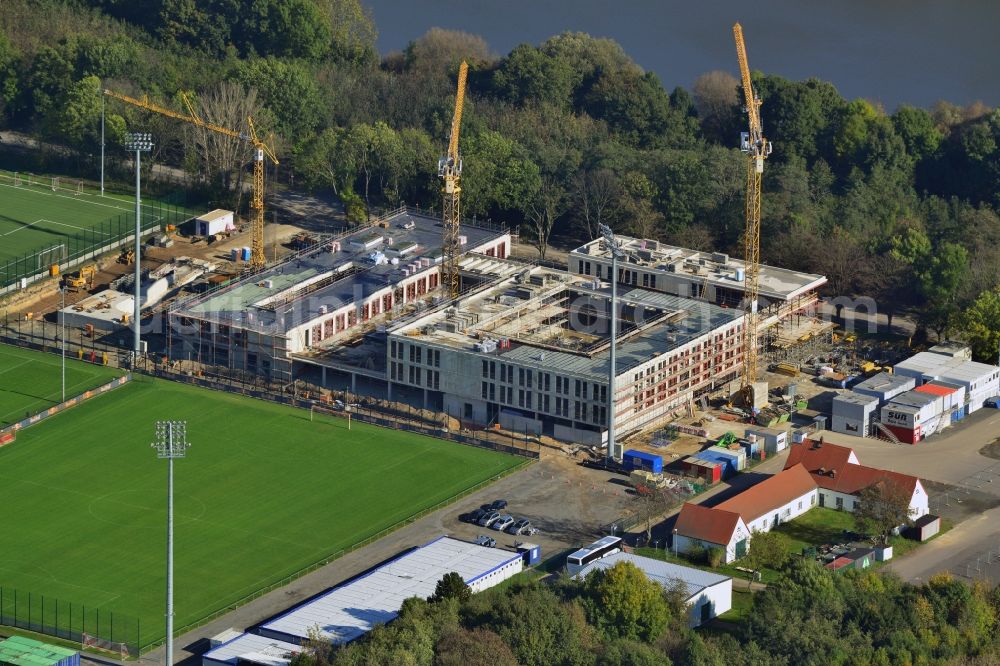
840, 477
729, 525
815, 474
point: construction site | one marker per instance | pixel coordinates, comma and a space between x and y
634, 341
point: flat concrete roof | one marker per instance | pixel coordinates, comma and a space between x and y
688, 319
666, 574
856, 398
715, 268
300, 285
356, 607
253, 649
884, 382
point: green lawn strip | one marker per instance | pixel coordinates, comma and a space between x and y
31, 381
816, 527
742, 604
262, 494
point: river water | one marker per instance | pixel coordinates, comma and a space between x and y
887, 51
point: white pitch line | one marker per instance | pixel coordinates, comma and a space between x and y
61, 224
63, 196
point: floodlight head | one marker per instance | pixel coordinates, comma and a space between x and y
142, 141
171, 439
609, 239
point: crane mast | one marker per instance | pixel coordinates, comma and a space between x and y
757, 148
450, 170
261, 149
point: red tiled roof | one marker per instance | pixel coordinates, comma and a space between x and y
828, 464
852, 479
711, 525
770, 494
814, 456
839, 563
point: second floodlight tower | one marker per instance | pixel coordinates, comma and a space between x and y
140, 142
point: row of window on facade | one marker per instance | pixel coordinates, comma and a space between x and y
397, 349
541, 380
543, 403
416, 376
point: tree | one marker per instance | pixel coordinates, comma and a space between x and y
352, 29
543, 210
595, 193
981, 325
766, 550
716, 96
623, 603
653, 501
451, 586
884, 506
289, 91
463, 647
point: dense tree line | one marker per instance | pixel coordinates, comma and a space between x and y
557, 137
618, 617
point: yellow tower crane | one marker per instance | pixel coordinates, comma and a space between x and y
450, 170
257, 257
757, 149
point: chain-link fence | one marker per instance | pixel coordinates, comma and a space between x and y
67, 620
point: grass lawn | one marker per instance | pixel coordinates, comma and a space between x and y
742, 604
30, 381
816, 527
262, 494
35, 219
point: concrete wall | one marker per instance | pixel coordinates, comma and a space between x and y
719, 598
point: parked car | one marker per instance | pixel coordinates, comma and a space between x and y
498, 505
518, 526
472, 516
487, 541
489, 518
503, 522
993, 402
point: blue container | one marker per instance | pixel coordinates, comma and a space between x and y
531, 553
649, 462
728, 462
235, 254
245, 253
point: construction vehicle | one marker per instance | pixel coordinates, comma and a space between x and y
450, 170
81, 279
757, 149
127, 256
260, 150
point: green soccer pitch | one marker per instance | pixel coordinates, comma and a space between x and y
34, 216
263, 493
30, 381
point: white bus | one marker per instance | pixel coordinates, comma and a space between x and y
595, 551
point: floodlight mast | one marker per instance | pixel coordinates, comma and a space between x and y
616, 253
140, 142
171, 443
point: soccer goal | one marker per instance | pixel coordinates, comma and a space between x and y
55, 183
17, 179
340, 413
114, 647
79, 188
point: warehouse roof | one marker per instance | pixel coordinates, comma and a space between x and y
914, 398
666, 574
250, 648
853, 398
356, 607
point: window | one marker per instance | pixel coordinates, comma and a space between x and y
577, 388
529, 374
840, 503
812, 500
411, 373
800, 505
493, 370
520, 376
520, 397
493, 392
484, 391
